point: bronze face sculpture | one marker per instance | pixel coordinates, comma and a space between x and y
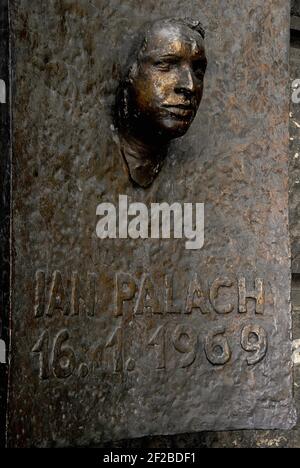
159, 96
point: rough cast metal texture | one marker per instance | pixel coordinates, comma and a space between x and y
4, 211
294, 184
82, 374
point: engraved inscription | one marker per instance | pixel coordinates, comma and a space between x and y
115, 341
69, 301
217, 348
257, 294
254, 340
161, 331
169, 296
63, 357
42, 348
147, 299
59, 360
57, 296
214, 292
91, 295
125, 291
75, 296
158, 341
185, 341
195, 297
68, 296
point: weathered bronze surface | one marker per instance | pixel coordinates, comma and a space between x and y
5, 162
120, 338
160, 93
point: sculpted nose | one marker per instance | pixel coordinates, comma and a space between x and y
186, 82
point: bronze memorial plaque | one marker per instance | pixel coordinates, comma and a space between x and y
151, 263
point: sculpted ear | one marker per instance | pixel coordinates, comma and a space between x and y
132, 72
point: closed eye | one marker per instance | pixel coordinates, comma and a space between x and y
166, 64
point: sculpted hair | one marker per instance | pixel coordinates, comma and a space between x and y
122, 102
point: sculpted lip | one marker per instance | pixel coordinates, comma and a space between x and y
185, 111
179, 106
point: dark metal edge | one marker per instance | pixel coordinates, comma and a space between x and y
5, 207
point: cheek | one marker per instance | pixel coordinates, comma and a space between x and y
145, 94
152, 90
165, 87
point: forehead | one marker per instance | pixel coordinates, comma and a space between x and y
173, 39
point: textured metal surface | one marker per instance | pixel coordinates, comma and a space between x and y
294, 181
255, 439
235, 439
4, 210
82, 373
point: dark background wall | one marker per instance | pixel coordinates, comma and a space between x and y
295, 7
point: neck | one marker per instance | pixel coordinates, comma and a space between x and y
143, 159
